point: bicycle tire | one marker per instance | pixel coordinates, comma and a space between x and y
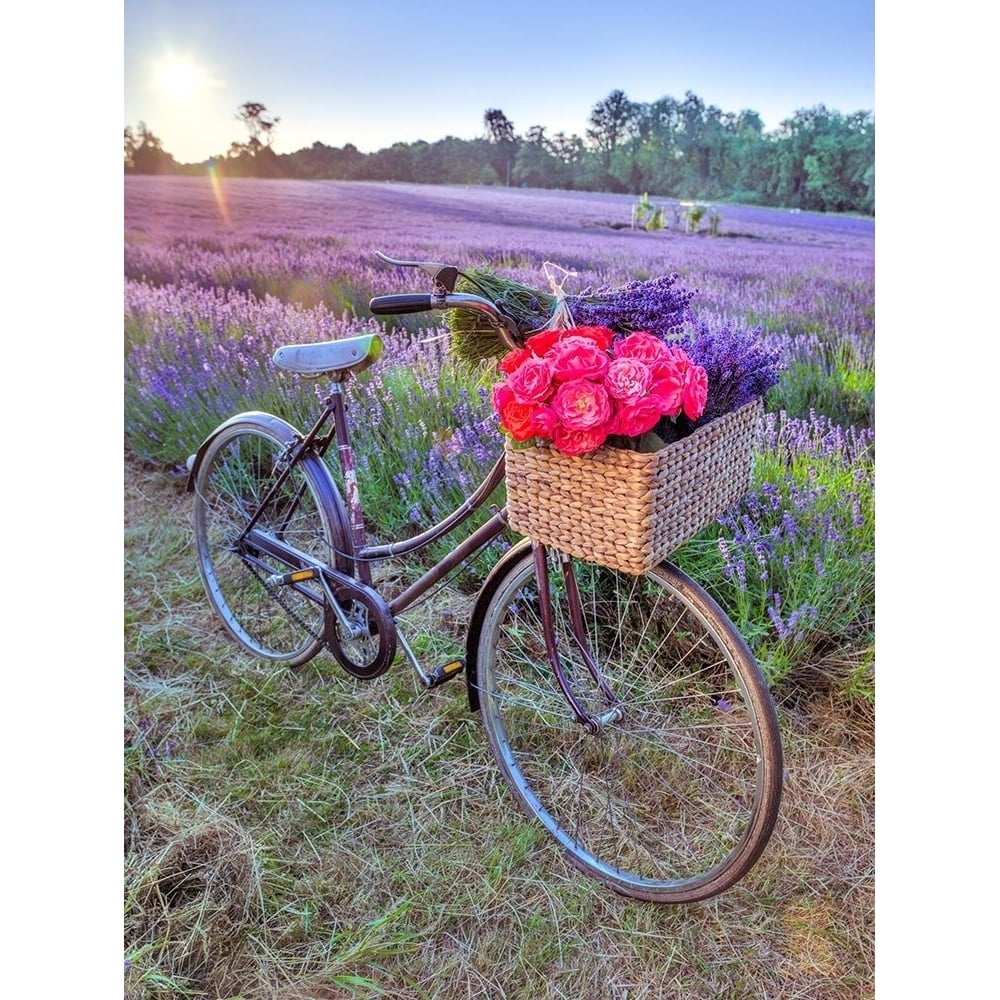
279, 624
676, 801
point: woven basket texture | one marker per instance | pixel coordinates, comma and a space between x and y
628, 510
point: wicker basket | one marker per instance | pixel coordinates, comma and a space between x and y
626, 509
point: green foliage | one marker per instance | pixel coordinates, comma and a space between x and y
694, 212
822, 568
818, 159
648, 216
842, 389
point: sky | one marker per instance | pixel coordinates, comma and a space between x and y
375, 72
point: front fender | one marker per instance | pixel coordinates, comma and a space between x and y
329, 495
492, 582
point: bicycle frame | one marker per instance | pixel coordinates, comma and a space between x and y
331, 426
334, 417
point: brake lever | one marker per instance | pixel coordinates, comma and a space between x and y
444, 276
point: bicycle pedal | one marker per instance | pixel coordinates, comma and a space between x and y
284, 579
445, 672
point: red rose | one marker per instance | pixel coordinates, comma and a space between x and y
579, 442
540, 343
543, 341
518, 419
512, 360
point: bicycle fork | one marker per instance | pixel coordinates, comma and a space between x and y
615, 713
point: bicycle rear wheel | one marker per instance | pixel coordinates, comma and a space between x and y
674, 802
277, 623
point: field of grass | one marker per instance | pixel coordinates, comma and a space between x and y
296, 833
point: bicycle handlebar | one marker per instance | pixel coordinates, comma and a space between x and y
387, 305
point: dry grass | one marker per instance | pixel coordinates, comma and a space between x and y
298, 834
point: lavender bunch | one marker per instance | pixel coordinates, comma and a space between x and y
739, 364
659, 306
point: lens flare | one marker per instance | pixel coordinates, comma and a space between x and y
215, 177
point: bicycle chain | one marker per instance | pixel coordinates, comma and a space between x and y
274, 591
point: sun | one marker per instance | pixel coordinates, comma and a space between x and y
179, 77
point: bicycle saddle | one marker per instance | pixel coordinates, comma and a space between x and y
348, 354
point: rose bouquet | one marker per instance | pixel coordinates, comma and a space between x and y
583, 386
629, 424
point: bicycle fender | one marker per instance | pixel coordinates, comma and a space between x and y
490, 585
267, 420
283, 430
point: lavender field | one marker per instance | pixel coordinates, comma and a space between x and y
249, 774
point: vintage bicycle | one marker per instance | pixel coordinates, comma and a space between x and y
624, 710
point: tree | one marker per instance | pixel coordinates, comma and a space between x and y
535, 164
610, 122
254, 115
255, 158
500, 132
144, 153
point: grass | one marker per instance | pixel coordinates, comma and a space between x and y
299, 834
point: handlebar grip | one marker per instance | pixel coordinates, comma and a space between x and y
395, 304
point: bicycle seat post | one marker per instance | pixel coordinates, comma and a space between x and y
355, 514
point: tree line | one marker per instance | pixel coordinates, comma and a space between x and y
818, 159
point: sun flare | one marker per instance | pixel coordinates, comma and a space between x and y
179, 77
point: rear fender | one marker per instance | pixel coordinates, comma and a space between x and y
329, 494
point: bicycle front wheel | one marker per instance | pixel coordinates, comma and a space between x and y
276, 623
675, 800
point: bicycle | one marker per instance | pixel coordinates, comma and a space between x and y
626, 713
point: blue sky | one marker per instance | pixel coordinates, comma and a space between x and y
373, 72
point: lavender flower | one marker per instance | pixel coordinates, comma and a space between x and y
660, 306
739, 364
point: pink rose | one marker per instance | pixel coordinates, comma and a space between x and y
694, 395
643, 347
531, 382
578, 442
667, 389
501, 396
581, 404
627, 378
600, 335
636, 416
678, 356
578, 357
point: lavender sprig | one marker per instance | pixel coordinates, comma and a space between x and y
659, 306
